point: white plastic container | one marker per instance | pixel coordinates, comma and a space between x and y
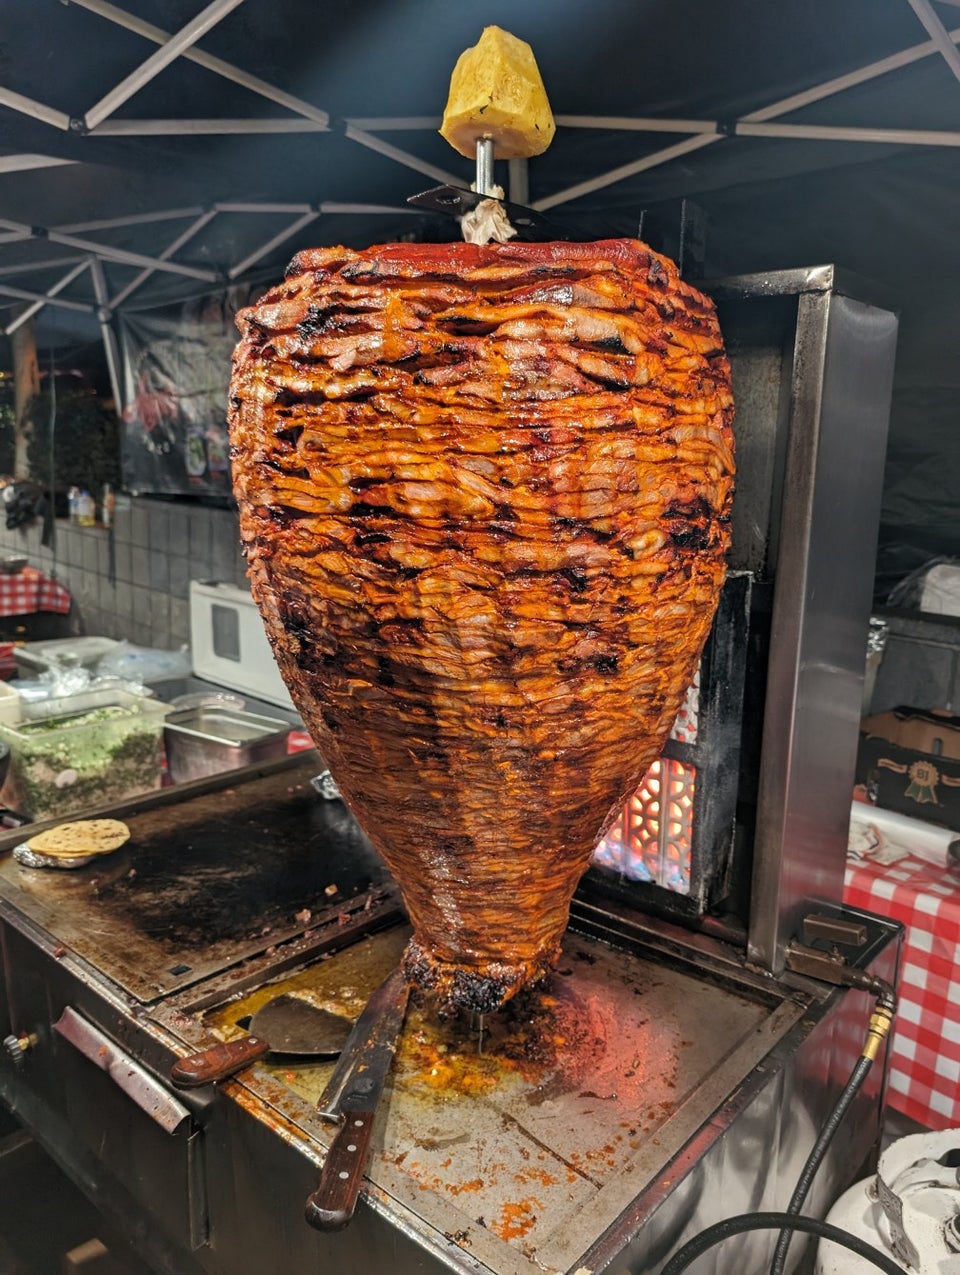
10, 706
63, 765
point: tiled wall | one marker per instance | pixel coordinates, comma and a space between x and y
158, 548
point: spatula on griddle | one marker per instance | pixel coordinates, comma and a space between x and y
286, 1025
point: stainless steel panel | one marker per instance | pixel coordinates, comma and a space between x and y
752, 1152
149, 1181
843, 370
760, 372
149, 1095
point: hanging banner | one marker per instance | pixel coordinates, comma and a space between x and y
176, 370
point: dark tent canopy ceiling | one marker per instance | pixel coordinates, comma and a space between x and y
710, 85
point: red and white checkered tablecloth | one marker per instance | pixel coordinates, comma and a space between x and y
30, 590
925, 1055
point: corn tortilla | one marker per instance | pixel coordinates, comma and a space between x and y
81, 838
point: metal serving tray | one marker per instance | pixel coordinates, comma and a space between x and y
207, 739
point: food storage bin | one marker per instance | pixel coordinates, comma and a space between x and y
87, 651
61, 765
11, 709
100, 693
207, 740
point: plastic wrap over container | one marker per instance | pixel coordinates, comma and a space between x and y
940, 592
62, 765
34, 658
143, 664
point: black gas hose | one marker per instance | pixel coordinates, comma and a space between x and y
721, 1231
880, 1023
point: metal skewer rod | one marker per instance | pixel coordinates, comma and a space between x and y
484, 180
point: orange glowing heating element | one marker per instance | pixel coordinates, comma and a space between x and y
651, 838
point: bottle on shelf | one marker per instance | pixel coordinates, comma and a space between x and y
86, 511
108, 505
73, 504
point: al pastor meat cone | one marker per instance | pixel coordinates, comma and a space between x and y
484, 495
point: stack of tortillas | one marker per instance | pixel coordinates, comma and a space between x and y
71, 845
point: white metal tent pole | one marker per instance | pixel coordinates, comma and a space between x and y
224, 69
191, 230
402, 157
782, 107
830, 133
187, 127
107, 334
938, 33
275, 242
134, 219
20, 163
51, 293
814, 132
31, 267
629, 123
168, 51
39, 111
402, 123
331, 206
22, 294
106, 251
518, 181
627, 170
231, 206
872, 71
125, 258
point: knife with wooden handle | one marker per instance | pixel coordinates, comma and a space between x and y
352, 1097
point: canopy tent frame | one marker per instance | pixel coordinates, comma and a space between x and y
100, 120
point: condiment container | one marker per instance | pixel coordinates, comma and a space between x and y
207, 740
86, 510
11, 708
61, 765
107, 505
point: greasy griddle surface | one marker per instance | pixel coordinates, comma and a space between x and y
203, 883
525, 1144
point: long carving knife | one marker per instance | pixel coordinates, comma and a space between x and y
352, 1097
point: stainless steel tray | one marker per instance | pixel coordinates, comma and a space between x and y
207, 739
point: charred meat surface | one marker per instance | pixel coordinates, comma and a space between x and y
484, 496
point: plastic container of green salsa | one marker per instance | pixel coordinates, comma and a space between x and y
62, 765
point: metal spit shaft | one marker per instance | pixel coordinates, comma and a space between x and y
484, 178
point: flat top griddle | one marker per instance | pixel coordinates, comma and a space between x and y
205, 881
523, 1138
